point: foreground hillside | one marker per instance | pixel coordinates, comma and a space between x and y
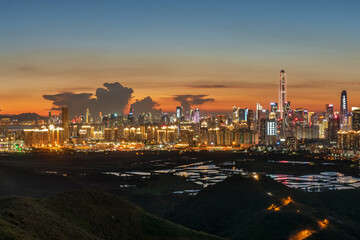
84, 215
23, 182
260, 208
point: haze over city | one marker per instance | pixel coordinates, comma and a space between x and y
226, 53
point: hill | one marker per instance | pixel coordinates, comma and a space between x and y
23, 116
261, 208
20, 181
85, 215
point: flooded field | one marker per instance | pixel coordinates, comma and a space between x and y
206, 173
201, 169
318, 182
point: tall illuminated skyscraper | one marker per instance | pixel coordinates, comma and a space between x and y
282, 94
343, 108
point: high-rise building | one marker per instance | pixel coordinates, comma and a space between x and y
343, 108
235, 116
87, 116
65, 122
258, 109
329, 108
282, 93
333, 128
50, 118
197, 116
274, 107
348, 140
262, 131
271, 127
204, 134
179, 112
355, 113
242, 115
130, 116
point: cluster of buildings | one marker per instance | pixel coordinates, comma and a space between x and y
277, 126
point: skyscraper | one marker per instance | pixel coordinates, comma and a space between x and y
242, 115
65, 122
343, 108
282, 93
235, 116
333, 128
329, 111
274, 107
87, 116
258, 109
179, 113
130, 116
355, 113
271, 129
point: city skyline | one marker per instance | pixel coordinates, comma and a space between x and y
170, 119
230, 53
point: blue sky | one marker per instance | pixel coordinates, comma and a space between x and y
312, 40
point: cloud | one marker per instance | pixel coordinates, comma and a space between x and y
113, 98
76, 102
188, 100
210, 86
145, 105
237, 84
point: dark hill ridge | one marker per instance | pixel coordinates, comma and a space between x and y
85, 215
20, 181
246, 208
23, 116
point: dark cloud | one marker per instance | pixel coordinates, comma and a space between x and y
76, 102
145, 105
314, 84
188, 100
113, 98
210, 86
237, 84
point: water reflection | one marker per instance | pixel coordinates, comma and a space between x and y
318, 182
206, 173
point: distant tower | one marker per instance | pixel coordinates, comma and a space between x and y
343, 108
65, 122
282, 94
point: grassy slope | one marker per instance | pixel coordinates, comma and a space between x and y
84, 215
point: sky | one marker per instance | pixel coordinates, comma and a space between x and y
225, 52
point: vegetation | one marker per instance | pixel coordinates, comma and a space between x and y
84, 215
248, 208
